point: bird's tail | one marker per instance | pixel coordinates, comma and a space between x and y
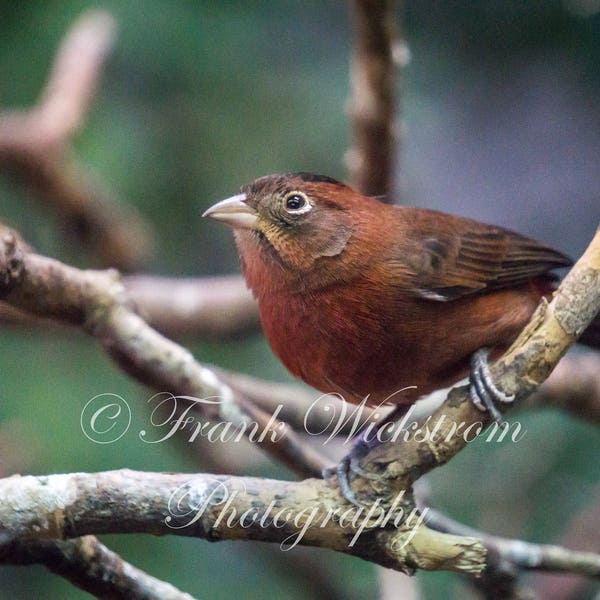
591, 336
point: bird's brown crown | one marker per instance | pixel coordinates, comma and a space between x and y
301, 217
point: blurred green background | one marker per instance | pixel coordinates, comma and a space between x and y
501, 115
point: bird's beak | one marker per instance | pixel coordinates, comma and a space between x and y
234, 212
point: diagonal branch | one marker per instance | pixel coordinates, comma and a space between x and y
552, 330
97, 302
73, 80
92, 567
210, 307
35, 146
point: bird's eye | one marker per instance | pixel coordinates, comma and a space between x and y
297, 203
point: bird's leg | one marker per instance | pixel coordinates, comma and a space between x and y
483, 391
361, 447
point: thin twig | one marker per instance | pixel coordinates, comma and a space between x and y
524, 555
583, 533
92, 567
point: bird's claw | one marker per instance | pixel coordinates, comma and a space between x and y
343, 475
351, 464
483, 391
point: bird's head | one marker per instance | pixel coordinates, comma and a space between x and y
295, 218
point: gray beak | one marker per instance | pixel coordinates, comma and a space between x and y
234, 212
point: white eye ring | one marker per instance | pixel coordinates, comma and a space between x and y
297, 203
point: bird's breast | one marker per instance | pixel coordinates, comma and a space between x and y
343, 339
363, 343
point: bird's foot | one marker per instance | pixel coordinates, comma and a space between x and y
483, 391
351, 464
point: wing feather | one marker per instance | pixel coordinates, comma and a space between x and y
466, 257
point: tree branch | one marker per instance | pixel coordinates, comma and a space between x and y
216, 508
212, 307
377, 55
97, 302
554, 327
35, 146
92, 567
507, 553
206, 307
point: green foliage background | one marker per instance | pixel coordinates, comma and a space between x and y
197, 99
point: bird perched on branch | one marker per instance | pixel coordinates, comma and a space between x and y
382, 302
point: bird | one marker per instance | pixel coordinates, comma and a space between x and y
382, 303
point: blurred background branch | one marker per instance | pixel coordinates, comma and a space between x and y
574, 387
210, 307
378, 54
92, 567
207, 307
35, 147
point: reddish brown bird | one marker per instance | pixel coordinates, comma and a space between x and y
369, 299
